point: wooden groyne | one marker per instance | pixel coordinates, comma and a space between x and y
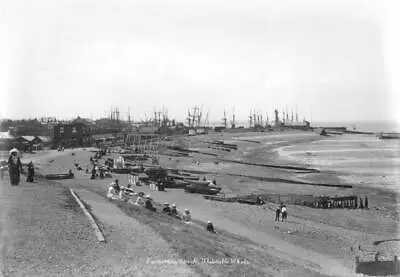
378, 268
185, 151
359, 132
346, 202
311, 170
249, 140
268, 179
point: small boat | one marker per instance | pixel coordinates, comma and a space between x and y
59, 176
176, 184
183, 177
220, 198
191, 178
389, 136
199, 183
121, 170
202, 187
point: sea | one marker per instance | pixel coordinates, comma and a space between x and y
359, 159
363, 126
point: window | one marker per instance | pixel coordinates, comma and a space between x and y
61, 130
73, 129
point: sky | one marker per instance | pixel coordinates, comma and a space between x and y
333, 60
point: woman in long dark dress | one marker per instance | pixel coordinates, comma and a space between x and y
14, 167
31, 172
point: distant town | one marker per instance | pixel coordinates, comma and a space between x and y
34, 134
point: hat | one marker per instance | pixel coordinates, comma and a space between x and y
208, 222
166, 204
148, 196
173, 205
14, 150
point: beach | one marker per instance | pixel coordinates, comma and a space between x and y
311, 240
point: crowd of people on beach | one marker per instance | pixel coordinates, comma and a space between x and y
117, 192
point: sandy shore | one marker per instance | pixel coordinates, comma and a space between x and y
330, 232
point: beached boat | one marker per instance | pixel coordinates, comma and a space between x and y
198, 183
220, 198
59, 176
250, 201
176, 184
202, 187
182, 177
121, 170
389, 136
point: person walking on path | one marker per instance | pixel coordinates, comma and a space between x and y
284, 212
14, 167
31, 172
3, 167
277, 213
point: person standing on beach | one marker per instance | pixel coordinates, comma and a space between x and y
366, 202
277, 213
3, 166
31, 172
284, 212
14, 167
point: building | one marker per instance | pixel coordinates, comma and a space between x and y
39, 142
5, 140
75, 134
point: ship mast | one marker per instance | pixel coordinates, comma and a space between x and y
224, 119
233, 123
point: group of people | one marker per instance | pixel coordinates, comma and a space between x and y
281, 212
159, 186
170, 210
97, 170
15, 168
115, 191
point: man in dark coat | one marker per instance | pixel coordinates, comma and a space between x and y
277, 213
14, 167
93, 173
31, 172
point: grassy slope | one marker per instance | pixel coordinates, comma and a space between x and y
47, 234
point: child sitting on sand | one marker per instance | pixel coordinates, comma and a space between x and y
186, 216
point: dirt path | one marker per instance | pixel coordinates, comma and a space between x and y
138, 245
